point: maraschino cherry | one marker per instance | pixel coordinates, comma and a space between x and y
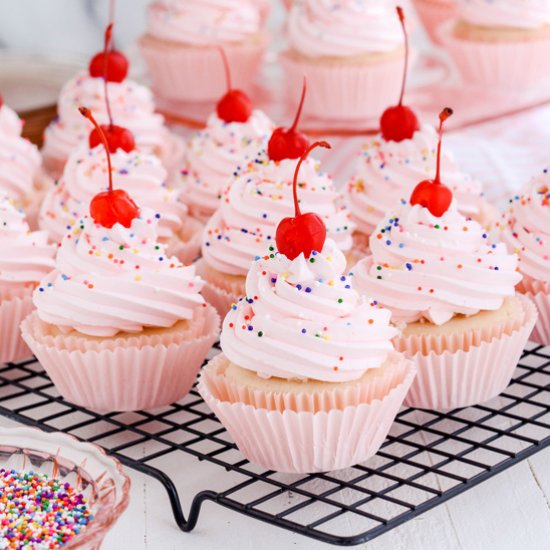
289, 143
235, 105
114, 205
109, 63
432, 194
400, 122
117, 136
303, 233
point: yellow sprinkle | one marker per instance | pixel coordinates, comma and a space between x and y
137, 278
98, 253
331, 283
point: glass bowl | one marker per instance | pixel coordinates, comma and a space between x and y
87, 467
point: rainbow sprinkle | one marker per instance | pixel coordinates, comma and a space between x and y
39, 513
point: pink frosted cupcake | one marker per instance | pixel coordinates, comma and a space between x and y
452, 292
119, 324
352, 53
21, 176
308, 380
252, 206
433, 13
182, 40
26, 257
214, 155
503, 45
526, 230
132, 107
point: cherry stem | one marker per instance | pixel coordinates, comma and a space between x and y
304, 156
401, 15
443, 116
226, 68
106, 46
299, 111
112, 8
88, 114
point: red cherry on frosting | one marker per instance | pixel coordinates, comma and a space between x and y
432, 194
109, 63
400, 122
304, 233
114, 205
235, 105
117, 138
288, 143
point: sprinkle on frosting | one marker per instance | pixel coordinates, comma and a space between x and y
39, 512
303, 319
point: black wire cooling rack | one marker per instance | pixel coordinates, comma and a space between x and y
427, 459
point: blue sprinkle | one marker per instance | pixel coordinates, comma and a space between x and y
308, 289
409, 266
304, 331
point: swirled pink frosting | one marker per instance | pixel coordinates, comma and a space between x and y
215, 153
256, 201
527, 228
303, 319
425, 267
116, 280
204, 22
132, 107
10, 123
140, 174
336, 28
525, 14
387, 171
25, 255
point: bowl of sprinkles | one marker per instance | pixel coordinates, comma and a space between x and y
56, 491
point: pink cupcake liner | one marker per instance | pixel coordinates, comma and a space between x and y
221, 298
144, 372
433, 14
451, 380
187, 73
539, 293
186, 245
305, 442
500, 66
344, 91
13, 309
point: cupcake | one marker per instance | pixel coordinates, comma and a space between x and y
503, 45
433, 13
452, 292
119, 325
252, 205
26, 258
307, 380
390, 163
526, 231
132, 107
181, 45
233, 137
21, 176
352, 53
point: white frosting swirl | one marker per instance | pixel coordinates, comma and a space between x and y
216, 153
303, 319
527, 228
119, 279
256, 201
523, 14
337, 28
427, 267
204, 22
10, 123
141, 175
388, 171
26, 256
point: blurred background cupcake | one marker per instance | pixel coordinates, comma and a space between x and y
181, 44
500, 44
351, 52
433, 13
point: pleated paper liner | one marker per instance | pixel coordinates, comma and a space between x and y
128, 373
15, 305
462, 370
186, 245
302, 441
539, 292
